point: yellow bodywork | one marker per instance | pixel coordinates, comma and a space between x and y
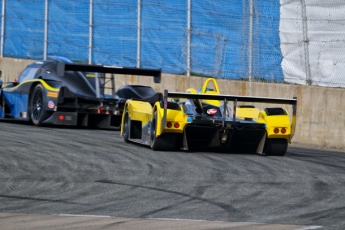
173, 116
272, 122
243, 113
276, 121
139, 110
208, 90
144, 112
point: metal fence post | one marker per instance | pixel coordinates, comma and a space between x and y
90, 30
138, 33
45, 45
250, 46
2, 28
188, 36
306, 43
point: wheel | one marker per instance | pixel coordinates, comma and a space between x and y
38, 113
275, 147
125, 132
166, 141
154, 142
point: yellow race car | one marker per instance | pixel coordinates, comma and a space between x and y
206, 122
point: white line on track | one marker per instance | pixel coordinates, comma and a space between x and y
309, 228
171, 219
216, 221
72, 215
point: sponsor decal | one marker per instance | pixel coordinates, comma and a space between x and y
52, 94
51, 104
212, 111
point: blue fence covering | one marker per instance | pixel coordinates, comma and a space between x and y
68, 29
163, 34
24, 29
267, 56
115, 32
220, 39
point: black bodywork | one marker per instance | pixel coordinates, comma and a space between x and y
57, 91
223, 131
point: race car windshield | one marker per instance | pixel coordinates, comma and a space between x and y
27, 74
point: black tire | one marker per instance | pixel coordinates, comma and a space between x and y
154, 144
166, 141
126, 128
37, 102
276, 147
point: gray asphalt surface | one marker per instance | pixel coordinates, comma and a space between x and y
64, 178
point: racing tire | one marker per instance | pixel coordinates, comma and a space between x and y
166, 141
155, 143
126, 128
37, 102
275, 147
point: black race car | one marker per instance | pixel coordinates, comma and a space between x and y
57, 91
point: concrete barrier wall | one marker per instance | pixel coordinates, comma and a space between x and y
320, 110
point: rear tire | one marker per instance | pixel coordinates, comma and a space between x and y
37, 102
126, 128
155, 143
275, 147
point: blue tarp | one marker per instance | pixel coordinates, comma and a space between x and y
219, 44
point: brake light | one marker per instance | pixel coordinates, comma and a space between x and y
169, 124
100, 109
61, 117
276, 130
283, 130
212, 111
176, 125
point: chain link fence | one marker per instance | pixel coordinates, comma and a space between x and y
313, 42
257, 40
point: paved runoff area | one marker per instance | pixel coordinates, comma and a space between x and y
14, 221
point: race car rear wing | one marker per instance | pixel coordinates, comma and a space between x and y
155, 73
102, 69
235, 99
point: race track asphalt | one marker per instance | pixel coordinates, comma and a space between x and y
68, 178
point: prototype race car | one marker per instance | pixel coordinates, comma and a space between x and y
57, 91
205, 122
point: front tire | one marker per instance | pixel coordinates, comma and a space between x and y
38, 112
